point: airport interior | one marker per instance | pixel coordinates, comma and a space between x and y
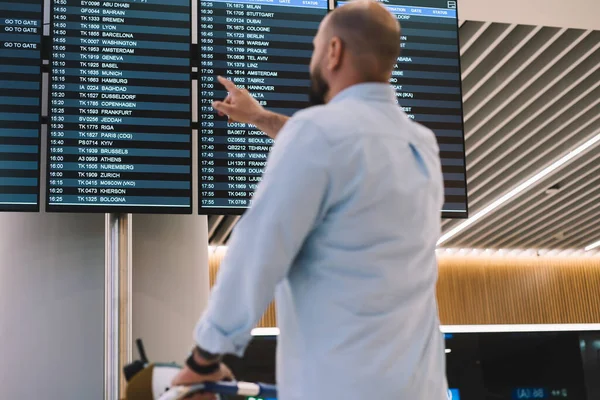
120, 186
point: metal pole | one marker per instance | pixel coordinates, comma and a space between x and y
126, 290
117, 303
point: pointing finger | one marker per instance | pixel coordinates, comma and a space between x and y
230, 86
226, 101
221, 107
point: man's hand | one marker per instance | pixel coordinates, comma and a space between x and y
187, 377
239, 105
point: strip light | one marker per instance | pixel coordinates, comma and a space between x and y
519, 189
265, 331
592, 246
484, 328
572, 252
498, 328
214, 249
546, 252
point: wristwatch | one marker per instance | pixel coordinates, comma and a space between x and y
213, 359
210, 357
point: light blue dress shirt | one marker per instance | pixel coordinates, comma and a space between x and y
343, 230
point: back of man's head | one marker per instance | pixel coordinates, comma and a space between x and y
371, 35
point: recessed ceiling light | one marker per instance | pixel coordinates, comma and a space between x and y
559, 236
553, 189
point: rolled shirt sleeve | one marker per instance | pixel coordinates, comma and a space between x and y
287, 204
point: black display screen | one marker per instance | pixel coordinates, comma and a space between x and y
522, 366
486, 366
20, 105
120, 107
264, 46
427, 78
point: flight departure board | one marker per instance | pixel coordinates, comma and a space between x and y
120, 107
264, 46
428, 85
20, 105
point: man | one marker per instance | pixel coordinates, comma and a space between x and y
343, 230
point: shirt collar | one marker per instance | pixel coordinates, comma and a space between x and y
373, 91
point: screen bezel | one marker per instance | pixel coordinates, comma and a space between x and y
107, 209
445, 214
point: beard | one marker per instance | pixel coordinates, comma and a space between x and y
318, 89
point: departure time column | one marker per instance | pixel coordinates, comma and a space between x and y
20, 89
120, 134
266, 49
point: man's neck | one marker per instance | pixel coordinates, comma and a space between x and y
335, 89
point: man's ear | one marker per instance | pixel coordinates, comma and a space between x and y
335, 53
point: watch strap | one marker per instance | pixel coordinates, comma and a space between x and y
202, 369
210, 357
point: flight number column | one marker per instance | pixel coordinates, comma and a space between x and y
265, 49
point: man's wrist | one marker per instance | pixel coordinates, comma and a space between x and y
201, 369
202, 362
269, 122
261, 118
204, 358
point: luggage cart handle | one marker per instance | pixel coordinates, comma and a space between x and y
246, 389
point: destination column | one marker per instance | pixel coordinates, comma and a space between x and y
121, 107
428, 83
20, 90
265, 48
